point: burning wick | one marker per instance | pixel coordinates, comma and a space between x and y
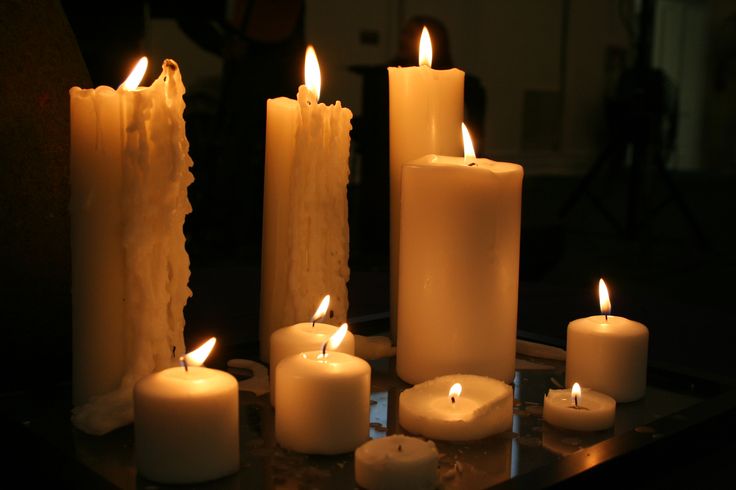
173, 351
399, 448
183, 363
452, 398
324, 349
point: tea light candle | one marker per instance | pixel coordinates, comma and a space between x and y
304, 337
323, 400
457, 408
186, 422
576, 409
608, 353
396, 462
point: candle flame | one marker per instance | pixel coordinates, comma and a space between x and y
135, 77
321, 309
312, 76
603, 298
199, 355
455, 391
467, 142
577, 394
337, 337
425, 49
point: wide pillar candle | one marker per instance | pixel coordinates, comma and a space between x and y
459, 268
130, 269
305, 211
425, 110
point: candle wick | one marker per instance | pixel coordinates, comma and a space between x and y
399, 448
313, 322
324, 349
173, 351
606, 317
576, 401
471, 164
452, 398
183, 362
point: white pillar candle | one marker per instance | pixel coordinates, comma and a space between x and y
481, 407
186, 424
305, 211
396, 462
304, 337
129, 177
322, 402
576, 409
425, 110
608, 353
459, 267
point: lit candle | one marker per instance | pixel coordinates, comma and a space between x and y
323, 400
459, 267
457, 408
608, 353
130, 269
425, 110
396, 462
304, 337
305, 210
576, 409
186, 422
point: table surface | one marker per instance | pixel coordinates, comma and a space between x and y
533, 454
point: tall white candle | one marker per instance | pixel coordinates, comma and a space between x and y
425, 110
459, 267
130, 269
608, 353
186, 423
305, 211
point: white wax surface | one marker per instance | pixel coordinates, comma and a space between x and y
130, 270
186, 425
459, 268
483, 409
305, 212
425, 112
322, 404
608, 356
596, 411
303, 337
396, 462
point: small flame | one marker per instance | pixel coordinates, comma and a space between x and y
199, 355
467, 142
455, 391
312, 76
425, 49
577, 394
135, 77
321, 309
604, 299
337, 337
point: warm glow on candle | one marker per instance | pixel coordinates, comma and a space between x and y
604, 299
135, 77
321, 309
198, 356
467, 143
455, 391
577, 394
425, 49
312, 76
337, 337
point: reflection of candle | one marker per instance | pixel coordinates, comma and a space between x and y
305, 210
186, 422
459, 267
129, 178
396, 462
438, 409
323, 400
608, 353
577, 409
426, 108
304, 337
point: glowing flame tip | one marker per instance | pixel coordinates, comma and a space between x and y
467, 142
425, 48
312, 76
604, 299
337, 337
321, 309
199, 355
135, 77
455, 391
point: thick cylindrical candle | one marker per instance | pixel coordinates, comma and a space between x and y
608, 354
322, 402
396, 462
186, 425
593, 410
459, 268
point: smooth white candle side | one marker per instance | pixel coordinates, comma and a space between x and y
322, 404
152, 205
425, 111
397, 462
305, 225
609, 356
186, 425
459, 268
